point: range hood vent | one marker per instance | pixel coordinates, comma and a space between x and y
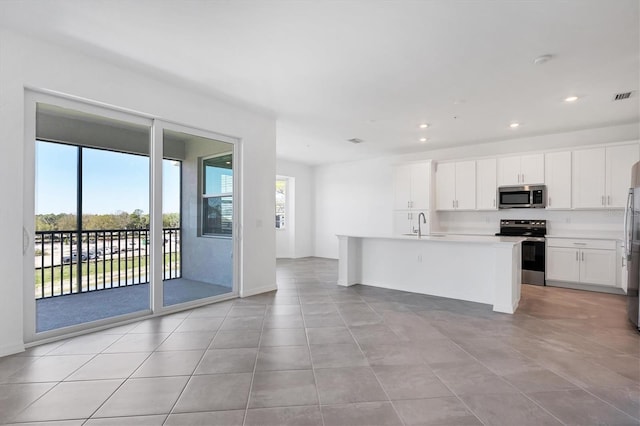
622, 96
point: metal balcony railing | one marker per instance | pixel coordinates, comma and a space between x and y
68, 262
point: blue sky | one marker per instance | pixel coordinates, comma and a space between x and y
112, 181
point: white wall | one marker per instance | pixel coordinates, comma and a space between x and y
301, 245
27, 62
356, 197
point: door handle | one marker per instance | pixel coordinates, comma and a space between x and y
603, 200
577, 259
608, 200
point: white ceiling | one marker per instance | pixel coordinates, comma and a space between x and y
371, 69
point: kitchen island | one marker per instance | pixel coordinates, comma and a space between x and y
483, 269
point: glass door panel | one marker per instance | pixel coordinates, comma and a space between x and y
197, 212
92, 218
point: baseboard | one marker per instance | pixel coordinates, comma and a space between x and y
586, 287
11, 349
506, 309
259, 290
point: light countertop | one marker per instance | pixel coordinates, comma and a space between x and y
447, 238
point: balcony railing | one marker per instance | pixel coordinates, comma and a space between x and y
68, 262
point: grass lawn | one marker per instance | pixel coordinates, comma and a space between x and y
131, 267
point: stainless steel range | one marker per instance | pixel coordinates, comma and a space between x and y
533, 247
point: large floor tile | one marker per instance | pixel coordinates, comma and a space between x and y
157, 325
329, 335
199, 324
323, 320
377, 334
87, 344
508, 409
222, 418
577, 407
361, 414
283, 321
284, 416
16, 397
337, 355
283, 358
187, 341
471, 378
70, 400
236, 339
389, 354
283, 337
435, 411
243, 323
49, 369
170, 363
625, 399
410, 382
109, 366
216, 392
142, 342
155, 420
348, 385
537, 381
144, 396
237, 360
283, 388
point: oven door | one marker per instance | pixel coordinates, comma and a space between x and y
533, 261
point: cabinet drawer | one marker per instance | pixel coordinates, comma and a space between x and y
581, 243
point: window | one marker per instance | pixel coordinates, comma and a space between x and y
281, 197
217, 195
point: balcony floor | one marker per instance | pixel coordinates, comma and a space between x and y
73, 309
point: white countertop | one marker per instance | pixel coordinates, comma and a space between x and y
592, 235
447, 238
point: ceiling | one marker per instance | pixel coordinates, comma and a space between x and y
371, 69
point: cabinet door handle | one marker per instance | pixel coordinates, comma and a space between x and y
494, 202
577, 259
549, 202
523, 178
453, 204
603, 200
583, 256
608, 200
580, 244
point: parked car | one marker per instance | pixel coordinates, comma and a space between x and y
74, 258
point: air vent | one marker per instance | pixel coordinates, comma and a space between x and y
355, 140
622, 96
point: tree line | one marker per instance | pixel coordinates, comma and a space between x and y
119, 220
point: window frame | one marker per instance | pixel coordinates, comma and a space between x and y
203, 196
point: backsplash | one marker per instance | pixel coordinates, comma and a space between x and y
558, 221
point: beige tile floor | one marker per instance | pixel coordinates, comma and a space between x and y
313, 353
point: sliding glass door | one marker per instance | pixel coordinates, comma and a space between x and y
130, 216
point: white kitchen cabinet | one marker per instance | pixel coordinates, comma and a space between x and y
618, 173
521, 170
557, 178
601, 176
456, 186
411, 183
582, 261
486, 184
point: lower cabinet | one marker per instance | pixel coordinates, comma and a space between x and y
582, 261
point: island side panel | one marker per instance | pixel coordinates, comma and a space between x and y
508, 279
438, 268
349, 260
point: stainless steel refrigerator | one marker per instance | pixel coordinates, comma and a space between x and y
632, 245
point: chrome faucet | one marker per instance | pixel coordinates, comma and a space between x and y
424, 220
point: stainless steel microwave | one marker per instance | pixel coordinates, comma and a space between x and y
522, 197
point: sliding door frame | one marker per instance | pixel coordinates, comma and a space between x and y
33, 96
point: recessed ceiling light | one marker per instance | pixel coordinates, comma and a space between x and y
571, 99
424, 125
423, 140
514, 125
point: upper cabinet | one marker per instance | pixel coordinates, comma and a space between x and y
557, 177
456, 186
602, 176
521, 170
486, 183
411, 183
